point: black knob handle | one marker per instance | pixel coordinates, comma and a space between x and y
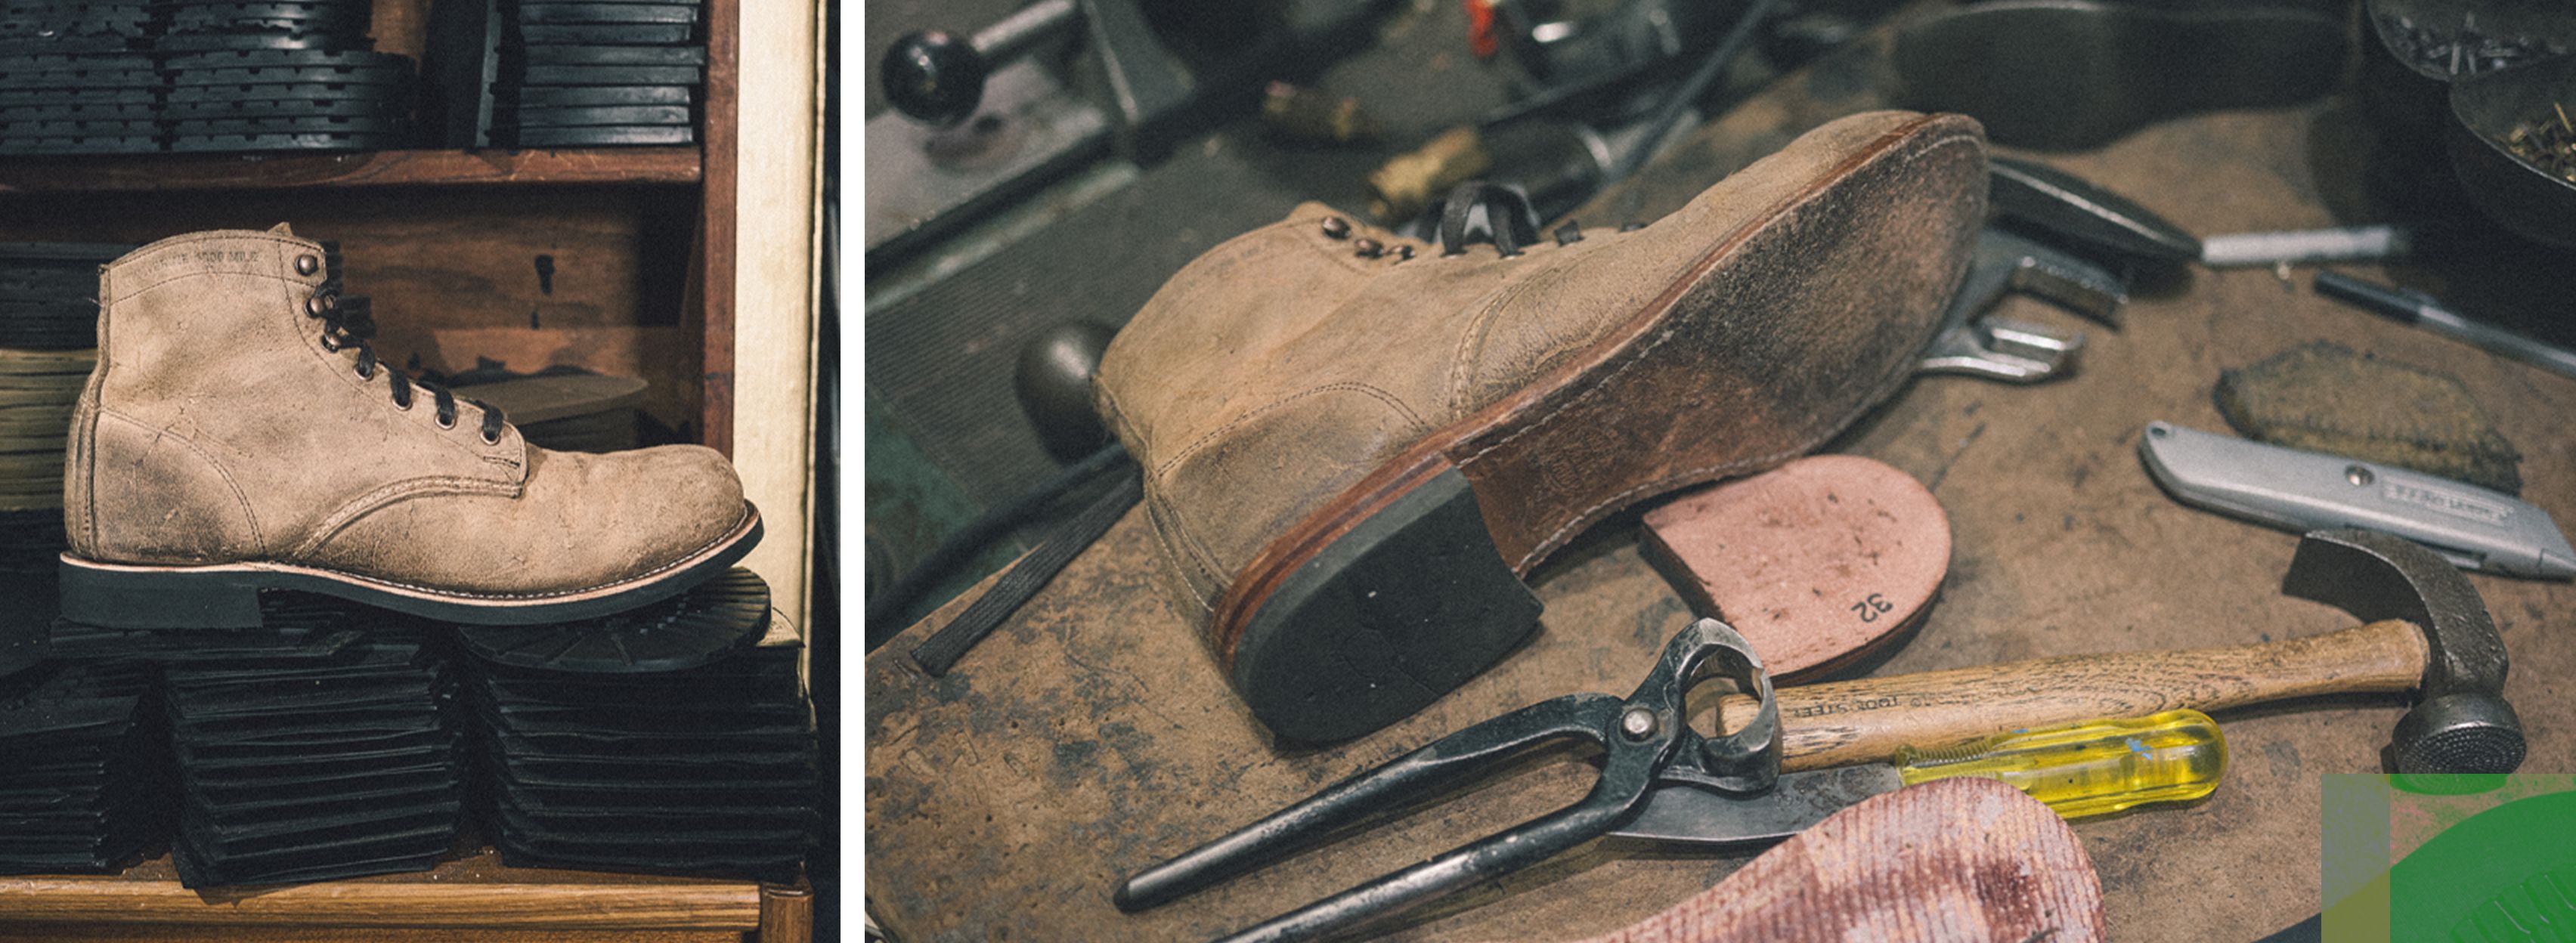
934, 76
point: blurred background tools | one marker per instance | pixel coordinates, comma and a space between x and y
1819, 563
2426, 632
2303, 491
1662, 780
980, 120
2425, 311
2067, 74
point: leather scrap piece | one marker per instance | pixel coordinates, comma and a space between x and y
2322, 397
1952, 859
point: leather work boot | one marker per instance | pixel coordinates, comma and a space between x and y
1354, 444
238, 435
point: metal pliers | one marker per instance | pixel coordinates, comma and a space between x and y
1651, 757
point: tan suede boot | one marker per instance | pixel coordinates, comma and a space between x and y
1353, 443
238, 435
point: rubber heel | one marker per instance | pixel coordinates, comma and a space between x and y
123, 598
1399, 611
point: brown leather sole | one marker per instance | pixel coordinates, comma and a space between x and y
1753, 356
226, 596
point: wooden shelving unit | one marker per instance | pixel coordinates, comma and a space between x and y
633, 253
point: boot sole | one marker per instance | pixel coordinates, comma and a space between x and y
1408, 583
226, 596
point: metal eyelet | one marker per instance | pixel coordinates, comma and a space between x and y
1336, 227
445, 422
319, 305
404, 405
1367, 248
329, 344
366, 372
491, 438
307, 265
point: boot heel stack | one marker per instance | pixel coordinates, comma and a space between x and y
1403, 608
120, 598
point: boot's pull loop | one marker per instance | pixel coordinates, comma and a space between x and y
1510, 223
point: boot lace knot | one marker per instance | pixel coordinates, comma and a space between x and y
348, 322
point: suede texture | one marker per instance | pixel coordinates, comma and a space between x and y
1276, 371
220, 427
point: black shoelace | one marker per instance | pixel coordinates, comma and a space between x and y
1509, 221
347, 322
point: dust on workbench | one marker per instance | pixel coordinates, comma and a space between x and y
1094, 735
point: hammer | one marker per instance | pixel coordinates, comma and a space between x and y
2426, 631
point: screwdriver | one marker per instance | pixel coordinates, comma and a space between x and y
2091, 767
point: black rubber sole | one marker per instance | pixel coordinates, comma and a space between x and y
2063, 74
227, 597
1402, 609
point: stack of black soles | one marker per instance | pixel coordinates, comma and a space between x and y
30, 543
569, 73
317, 747
673, 739
49, 293
263, 99
86, 782
55, 101
127, 76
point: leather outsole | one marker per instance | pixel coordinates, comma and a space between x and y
1639, 414
226, 596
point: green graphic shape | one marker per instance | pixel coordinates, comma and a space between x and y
2505, 874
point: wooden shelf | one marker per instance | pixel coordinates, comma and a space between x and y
626, 166
472, 892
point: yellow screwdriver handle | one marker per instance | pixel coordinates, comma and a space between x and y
2089, 768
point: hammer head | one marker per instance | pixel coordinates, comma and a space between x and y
2462, 724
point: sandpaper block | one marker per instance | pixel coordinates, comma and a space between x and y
2322, 397
1952, 859
1817, 563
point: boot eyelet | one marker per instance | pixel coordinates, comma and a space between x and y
491, 438
329, 344
307, 265
444, 422
366, 372
1336, 227
1367, 248
404, 405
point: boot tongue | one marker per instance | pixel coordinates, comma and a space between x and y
281, 230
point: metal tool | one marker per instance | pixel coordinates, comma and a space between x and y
2372, 243
2081, 769
2082, 212
2017, 351
2426, 632
2300, 491
1648, 746
2427, 312
1663, 781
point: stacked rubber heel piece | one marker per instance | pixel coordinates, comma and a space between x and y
145, 76
338, 740
566, 73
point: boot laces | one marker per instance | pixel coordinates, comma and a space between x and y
349, 322
1510, 223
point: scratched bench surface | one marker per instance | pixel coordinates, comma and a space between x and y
1093, 734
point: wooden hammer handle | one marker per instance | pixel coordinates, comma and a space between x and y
1863, 721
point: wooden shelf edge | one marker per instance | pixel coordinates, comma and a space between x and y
146, 173
600, 906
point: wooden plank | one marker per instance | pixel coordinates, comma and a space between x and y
715, 270
475, 891
786, 914
162, 173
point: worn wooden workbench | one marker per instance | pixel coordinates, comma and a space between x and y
1093, 735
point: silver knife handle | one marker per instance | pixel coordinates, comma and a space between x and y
2302, 491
